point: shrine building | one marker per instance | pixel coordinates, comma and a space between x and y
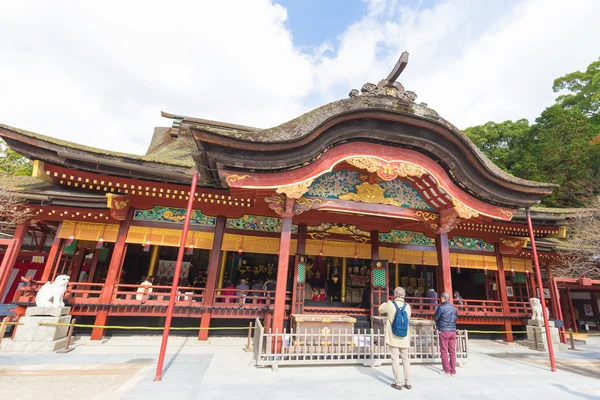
319, 215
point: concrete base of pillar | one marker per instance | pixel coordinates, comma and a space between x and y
32, 337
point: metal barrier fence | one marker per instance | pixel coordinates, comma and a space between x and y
365, 347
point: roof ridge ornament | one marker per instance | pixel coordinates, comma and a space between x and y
388, 86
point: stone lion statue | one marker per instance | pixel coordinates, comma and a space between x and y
536, 307
51, 294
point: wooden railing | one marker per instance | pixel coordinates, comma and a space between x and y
157, 295
83, 293
423, 305
519, 308
225, 298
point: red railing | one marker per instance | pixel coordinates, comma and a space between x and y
225, 298
157, 295
486, 308
519, 308
83, 292
423, 305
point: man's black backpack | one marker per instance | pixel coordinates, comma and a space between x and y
400, 324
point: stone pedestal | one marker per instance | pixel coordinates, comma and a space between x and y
536, 333
32, 337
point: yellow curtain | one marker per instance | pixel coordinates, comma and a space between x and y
168, 237
88, 231
518, 264
255, 244
337, 248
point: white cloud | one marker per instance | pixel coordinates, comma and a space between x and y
100, 74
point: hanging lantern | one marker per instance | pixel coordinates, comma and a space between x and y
355, 256
526, 272
355, 251
512, 271
240, 251
70, 240
458, 268
321, 251
100, 243
147, 246
423, 259
189, 250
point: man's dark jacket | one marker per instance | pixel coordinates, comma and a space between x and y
445, 317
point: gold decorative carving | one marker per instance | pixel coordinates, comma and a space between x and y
317, 235
325, 331
295, 191
508, 213
361, 239
340, 230
463, 211
232, 178
370, 193
513, 243
309, 202
426, 215
168, 215
387, 170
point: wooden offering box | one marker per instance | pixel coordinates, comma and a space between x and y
322, 323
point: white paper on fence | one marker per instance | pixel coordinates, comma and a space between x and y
361, 340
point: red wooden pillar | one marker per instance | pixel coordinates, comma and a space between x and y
211, 279
532, 285
374, 245
114, 268
443, 255
508, 336
53, 255
282, 272
301, 239
572, 312
18, 241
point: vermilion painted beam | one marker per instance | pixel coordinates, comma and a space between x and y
282, 273
114, 268
508, 336
52, 256
12, 255
374, 245
301, 239
211, 279
340, 153
444, 273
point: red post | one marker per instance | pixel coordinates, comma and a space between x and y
443, 255
12, 256
176, 273
301, 239
538, 276
52, 256
114, 270
508, 336
211, 279
374, 245
282, 272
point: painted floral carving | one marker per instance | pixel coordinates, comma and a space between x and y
173, 215
337, 229
257, 223
406, 237
334, 184
404, 194
463, 242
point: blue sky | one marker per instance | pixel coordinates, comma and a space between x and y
100, 73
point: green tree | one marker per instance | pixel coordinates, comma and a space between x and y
583, 92
500, 141
12, 163
559, 149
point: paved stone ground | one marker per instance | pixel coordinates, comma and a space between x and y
124, 368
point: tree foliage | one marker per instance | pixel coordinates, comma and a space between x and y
12, 163
562, 146
581, 250
13, 208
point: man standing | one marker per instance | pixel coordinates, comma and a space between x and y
445, 319
398, 345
